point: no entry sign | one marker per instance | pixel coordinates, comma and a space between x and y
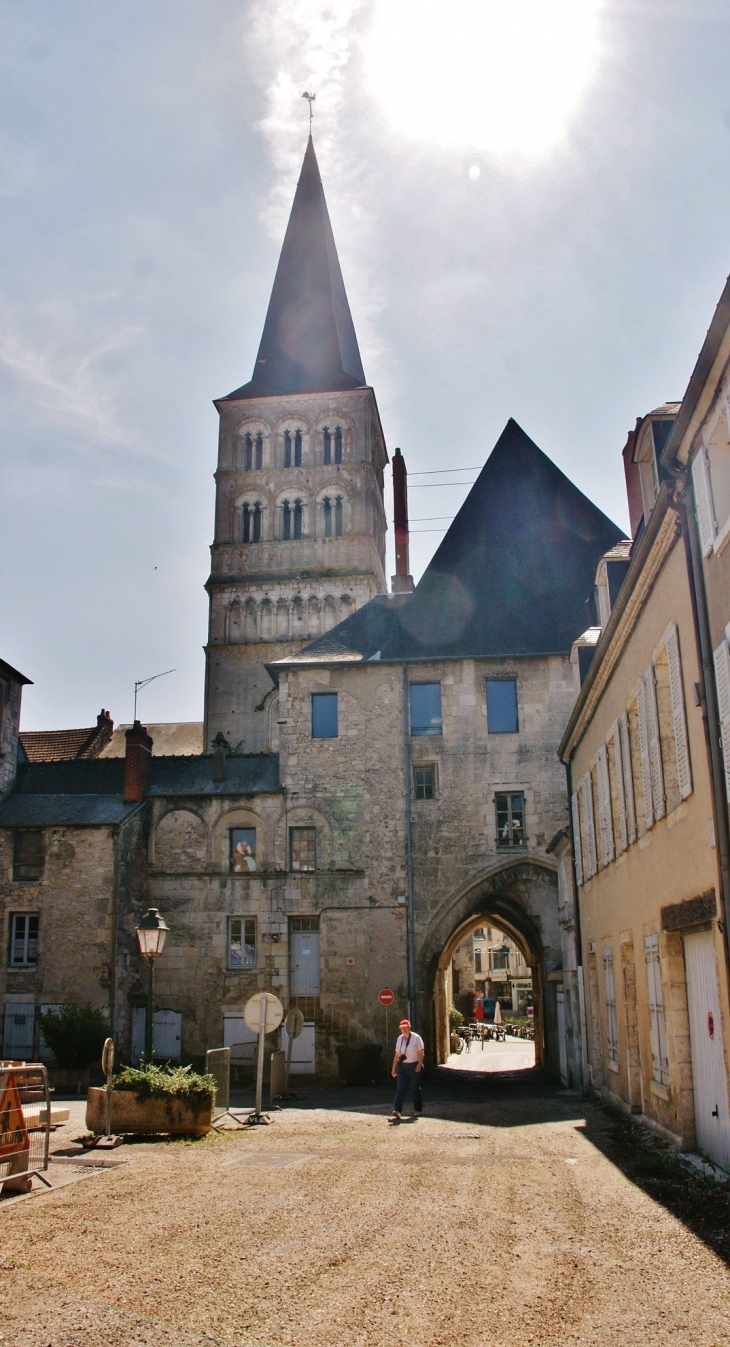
386, 997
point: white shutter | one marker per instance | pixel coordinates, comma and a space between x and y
610, 991
676, 689
644, 754
605, 818
590, 859
703, 500
722, 680
657, 1022
577, 848
618, 759
623, 726
655, 747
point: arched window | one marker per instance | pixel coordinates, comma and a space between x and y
327, 514
338, 517
246, 533
297, 519
286, 521
297, 448
259, 450
252, 516
326, 445
287, 448
247, 453
338, 444
257, 513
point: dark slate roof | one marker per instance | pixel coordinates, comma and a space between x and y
309, 343
511, 576
89, 792
8, 671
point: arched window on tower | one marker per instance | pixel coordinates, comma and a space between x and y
326, 445
287, 448
338, 444
338, 517
297, 519
246, 530
286, 521
259, 450
327, 516
257, 513
251, 523
297, 448
247, 453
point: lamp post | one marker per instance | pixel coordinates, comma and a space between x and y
151, 934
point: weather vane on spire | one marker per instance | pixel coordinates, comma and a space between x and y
310, 99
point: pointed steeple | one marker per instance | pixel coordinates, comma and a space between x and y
309, 343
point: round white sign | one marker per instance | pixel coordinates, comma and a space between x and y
294, 1022
274, 1012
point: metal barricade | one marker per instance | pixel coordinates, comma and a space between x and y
25, 1124
218, 1065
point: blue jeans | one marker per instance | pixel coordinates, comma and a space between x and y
407, 1078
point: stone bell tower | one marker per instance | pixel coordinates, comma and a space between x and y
299, 522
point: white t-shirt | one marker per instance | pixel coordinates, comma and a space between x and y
415, 1046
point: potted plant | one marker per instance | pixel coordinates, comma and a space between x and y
75, 1036
147, 1099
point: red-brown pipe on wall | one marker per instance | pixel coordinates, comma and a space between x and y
402, 581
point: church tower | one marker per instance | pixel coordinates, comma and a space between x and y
299, 522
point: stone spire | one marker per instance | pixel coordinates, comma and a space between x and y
308, 343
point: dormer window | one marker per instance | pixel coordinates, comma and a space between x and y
338, 444
326, 445
251, 532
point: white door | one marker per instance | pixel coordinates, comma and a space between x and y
712, 1119
166, 1034
302, 1052
304, 947
18, 1031
562, 1045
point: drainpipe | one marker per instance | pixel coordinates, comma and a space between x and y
578, 935
409, 854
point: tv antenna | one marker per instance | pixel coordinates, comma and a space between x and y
142, 683
310, 99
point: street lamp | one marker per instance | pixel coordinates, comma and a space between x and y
151, 934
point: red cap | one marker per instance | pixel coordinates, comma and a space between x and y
407, 1022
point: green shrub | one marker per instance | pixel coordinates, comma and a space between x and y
75, 1035
455, 1017
150, 1081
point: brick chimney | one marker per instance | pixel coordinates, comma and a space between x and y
633, 482
137, 760
402, 581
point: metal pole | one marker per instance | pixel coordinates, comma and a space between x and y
150, 1010
289, 1045
411, 933
260, 1062
387, 1035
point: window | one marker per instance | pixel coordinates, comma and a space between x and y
286, 521
326, 445
327, 514
424, 783
304, 924
297, 448
477, 961
259, 450
248, 453
324, 715
338, 444
242, 850
241, 942
338, 517
23, 944
610, 990
479, 935
297, 512
287, 448
28, 854
302, 848
510, 820
500, 957
659, 1061
426, 708
251, 525
502, 706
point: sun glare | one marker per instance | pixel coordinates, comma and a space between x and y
501, 76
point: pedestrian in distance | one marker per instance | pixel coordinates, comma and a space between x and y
407, 1070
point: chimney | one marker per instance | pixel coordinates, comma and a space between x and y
137, 760
633, 482
105, 722
402, 581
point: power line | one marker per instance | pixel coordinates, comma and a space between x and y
428, 518
422, 486
432, 472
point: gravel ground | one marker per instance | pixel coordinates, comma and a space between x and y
496, 1219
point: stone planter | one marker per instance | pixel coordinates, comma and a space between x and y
145, 1116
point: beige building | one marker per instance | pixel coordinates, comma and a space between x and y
490, 963
646, 858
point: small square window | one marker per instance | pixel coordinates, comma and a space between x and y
324, 715
477, 961
241, 942
426, 708
28, 854
502, 706
242, 850
302, 848
424, 783
510, 820
23, 943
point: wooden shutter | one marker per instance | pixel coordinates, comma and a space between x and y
605, 819
644, 754
657, 1021
577, 848
679, 721
655, 746
590, 859
623, 726
722, 680
618, 758
703, 500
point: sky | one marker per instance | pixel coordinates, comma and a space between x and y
530, 200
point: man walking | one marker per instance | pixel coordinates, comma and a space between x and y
407, 1069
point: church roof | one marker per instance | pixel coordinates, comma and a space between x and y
309, 343
512, 576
